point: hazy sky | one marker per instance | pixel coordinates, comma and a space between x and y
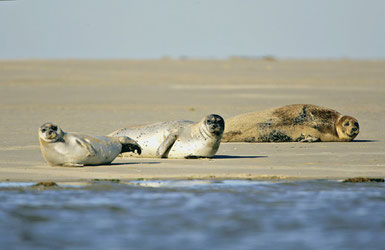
204, 29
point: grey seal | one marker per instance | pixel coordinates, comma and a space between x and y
177, 139
73, 149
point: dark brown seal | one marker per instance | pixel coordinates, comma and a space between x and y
291, 123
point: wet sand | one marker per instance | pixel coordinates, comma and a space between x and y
98, 97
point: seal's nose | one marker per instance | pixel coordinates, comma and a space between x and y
354, 129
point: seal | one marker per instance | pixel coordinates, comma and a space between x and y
72, 149
177, 139
291, 123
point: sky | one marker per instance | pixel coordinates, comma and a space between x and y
212, 29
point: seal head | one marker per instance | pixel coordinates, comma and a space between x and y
347, 128
213, 125
50, 132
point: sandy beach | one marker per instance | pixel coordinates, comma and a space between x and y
100, 96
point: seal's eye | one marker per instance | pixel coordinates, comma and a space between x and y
43, 130
54, 128
346, 124
356, 124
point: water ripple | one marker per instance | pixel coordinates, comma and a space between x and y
194, 214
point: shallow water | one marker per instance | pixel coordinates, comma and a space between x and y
194, 215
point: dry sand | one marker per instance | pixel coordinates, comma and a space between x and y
98, 97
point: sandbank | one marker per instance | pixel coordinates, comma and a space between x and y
100, 96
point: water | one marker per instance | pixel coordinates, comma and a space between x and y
194, 215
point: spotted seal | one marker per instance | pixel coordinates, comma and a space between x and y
297, 122
72, 149
177, 139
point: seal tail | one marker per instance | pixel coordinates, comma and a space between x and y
129, 145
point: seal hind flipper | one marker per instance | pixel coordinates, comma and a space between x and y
91, 151
166, 145
129, 145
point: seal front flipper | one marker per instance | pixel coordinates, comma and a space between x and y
129, 145
308, 138
166, 145
91, 151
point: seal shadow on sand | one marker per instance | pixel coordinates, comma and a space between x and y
365, 141
112, 164
238, 156
129, 163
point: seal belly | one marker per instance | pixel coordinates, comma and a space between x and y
182, 149
185, 147
106, 151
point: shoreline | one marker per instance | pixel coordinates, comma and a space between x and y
193, 181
